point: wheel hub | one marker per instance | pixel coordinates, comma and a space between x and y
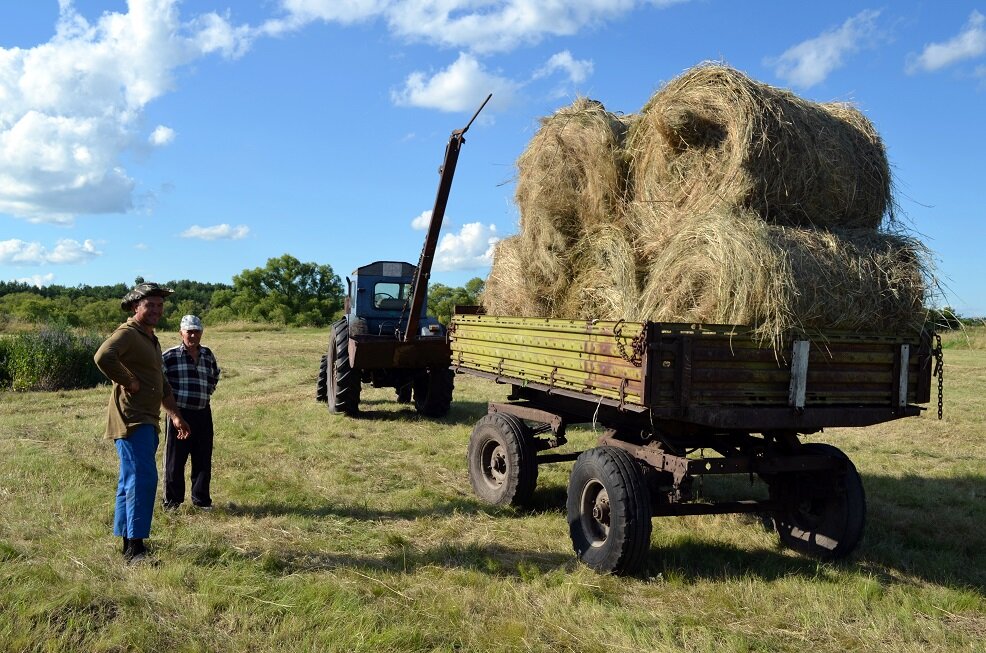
495, 464
595, 513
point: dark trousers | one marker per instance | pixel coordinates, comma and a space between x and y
198, 445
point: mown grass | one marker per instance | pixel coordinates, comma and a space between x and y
340, 534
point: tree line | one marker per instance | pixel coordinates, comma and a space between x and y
284, 291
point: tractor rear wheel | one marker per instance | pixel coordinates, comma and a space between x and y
433, 391
609, 511
322, 385
344, 382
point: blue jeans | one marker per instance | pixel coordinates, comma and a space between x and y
138, 483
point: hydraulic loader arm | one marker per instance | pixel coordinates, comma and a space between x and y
423, 272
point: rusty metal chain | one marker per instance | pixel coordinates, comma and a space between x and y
940, 373
636, 345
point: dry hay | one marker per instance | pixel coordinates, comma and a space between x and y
507, 290
713, 137
723, 268
598, 279
605, 281
571, 176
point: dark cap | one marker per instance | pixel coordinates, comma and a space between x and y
143, 290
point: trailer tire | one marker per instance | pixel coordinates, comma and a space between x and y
825, 527
503, 466
609, 511
322, 385
433, 389
343, 389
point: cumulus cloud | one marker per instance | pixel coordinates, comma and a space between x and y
480, 26
460, 87
66, 251
161, 135
38, 280
217, 232
71, 107
471, 248
967, 44
578, 70
812, 61
421, 222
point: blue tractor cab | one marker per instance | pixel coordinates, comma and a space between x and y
378, 301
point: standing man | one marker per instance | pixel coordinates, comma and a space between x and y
193, 374
131, 359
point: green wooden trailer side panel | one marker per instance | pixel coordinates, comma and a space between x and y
690, 365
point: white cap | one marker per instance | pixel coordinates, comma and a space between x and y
191, 323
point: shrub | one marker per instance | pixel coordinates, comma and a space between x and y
51, 359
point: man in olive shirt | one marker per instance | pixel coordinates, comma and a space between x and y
131, 359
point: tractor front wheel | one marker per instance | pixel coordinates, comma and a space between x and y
432, 389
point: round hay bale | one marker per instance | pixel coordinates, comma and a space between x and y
604, 282
724, 268
572, 175
714, 137
507, 290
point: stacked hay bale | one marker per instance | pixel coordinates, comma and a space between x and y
724, 201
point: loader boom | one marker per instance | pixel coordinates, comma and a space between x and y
423, 273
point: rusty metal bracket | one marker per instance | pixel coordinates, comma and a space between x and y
555, 421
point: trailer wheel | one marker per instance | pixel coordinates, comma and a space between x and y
433, 391
503, 466
822, 518
609, 511
343, 381
322, 386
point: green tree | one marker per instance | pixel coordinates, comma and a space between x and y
443, 299
285, 291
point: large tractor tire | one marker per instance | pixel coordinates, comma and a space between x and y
322, 385
609, 511
432, 389
343, 381
822, 517
503, 467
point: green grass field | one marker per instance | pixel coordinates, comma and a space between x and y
341, 534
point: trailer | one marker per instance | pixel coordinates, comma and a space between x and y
678, 402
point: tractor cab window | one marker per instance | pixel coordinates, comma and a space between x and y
390, 296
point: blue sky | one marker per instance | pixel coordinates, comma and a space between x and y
195, 139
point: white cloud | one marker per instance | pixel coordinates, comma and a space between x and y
471, 248
161, 135
217, 232
460, 87
968, 44
38, 280
19, 252
811, 61
578, 70
141, 246
480, 26
421, 222
71, 107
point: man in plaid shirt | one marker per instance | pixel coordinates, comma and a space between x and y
192, 372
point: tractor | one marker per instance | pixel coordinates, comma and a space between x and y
386, 338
